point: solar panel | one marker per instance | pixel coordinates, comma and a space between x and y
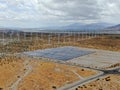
62, 53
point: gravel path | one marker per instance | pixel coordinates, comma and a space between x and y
28, 70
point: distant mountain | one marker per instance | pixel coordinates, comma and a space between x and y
74, 26
6, 30
97, 26
70, 27
81, 26
93, 26
115, 28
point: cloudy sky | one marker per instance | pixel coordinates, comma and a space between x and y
42, 13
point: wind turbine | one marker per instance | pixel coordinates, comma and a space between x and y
3, 37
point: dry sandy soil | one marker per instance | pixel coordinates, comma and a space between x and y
44, 75
10, 67
110, 82
49, 76
104, 42
101, 59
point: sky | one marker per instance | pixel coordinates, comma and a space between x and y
44, 13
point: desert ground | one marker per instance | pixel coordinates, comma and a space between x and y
101, 59
29, 74
10, 68
23, 73
109, 82
49, 75
110, 43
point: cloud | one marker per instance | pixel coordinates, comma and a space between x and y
69, 9
57, 11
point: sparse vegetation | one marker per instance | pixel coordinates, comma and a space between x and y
103, 42
10, 67
47, 75
110, 82
52, 75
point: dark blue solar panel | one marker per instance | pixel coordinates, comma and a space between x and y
62, 53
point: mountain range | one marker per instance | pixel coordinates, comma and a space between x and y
116, 27
71, 27
93, 26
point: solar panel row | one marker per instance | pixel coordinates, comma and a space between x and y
62, 53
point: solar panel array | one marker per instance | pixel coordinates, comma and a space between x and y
62, 53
